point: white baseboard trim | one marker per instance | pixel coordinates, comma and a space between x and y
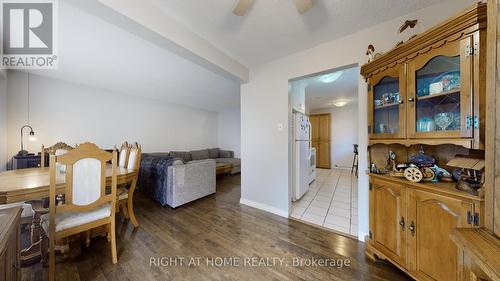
361, 236
264, 207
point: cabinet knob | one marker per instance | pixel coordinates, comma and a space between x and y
412, 228
411, 99
402, 223
400, 101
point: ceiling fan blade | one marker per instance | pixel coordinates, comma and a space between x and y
242, 7
303, 5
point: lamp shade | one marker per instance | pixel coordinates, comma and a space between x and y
32, 136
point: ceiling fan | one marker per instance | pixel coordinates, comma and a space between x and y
243, 6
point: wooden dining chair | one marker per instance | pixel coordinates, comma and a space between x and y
126, 193
123, 155
86, 204
57, 149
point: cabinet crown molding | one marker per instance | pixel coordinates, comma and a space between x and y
455, 28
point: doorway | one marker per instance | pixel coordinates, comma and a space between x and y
327, 104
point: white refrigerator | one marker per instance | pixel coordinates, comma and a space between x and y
301, 155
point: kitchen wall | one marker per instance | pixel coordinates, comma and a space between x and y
344, 133
297, 91
3, 120
229, 130
265, 147
61, 111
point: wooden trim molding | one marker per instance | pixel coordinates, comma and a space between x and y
492, 180
482, 247
455, 28
467, 143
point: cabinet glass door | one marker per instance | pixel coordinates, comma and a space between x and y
438, 95
386, 106
441, 96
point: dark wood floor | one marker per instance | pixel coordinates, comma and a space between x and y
217, 226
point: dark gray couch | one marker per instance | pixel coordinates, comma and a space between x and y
220, 156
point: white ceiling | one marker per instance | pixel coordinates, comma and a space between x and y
97, 53
320, 95
272, 28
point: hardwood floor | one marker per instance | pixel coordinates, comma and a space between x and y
217, 226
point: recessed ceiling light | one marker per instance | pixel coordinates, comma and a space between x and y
330, 77
340, 103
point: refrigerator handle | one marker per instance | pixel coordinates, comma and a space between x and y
310, 138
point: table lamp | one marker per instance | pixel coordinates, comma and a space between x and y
32, 137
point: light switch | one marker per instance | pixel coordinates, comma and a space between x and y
280, 126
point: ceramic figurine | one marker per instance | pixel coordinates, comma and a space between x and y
406, 24
408, 30
370, 52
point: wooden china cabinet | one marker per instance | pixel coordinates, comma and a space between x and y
431, 89
427, 91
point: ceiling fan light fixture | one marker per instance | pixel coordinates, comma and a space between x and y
242, 7
303, 5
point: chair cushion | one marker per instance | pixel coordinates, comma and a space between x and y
69, 220
213, 153
185, 156
27, 208
200, 154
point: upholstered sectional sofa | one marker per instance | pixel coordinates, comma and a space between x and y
177, 178
220, 156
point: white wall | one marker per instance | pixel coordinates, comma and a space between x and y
297, 93
229, 130
264, 104
344, 133
72, 113
3, 120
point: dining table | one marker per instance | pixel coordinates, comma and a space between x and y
29, 185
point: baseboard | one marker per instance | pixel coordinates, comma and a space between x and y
264, 207
361, 236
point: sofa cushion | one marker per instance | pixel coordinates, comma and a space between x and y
185, 156
178, 162
199, 154
213, 153
232, 161
226, 154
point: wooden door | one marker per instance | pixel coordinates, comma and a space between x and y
388, 219
324, 127
320, 131
432, 255
323, 155
386, 107
314, 120
440, 92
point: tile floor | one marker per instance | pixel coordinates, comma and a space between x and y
331, 202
